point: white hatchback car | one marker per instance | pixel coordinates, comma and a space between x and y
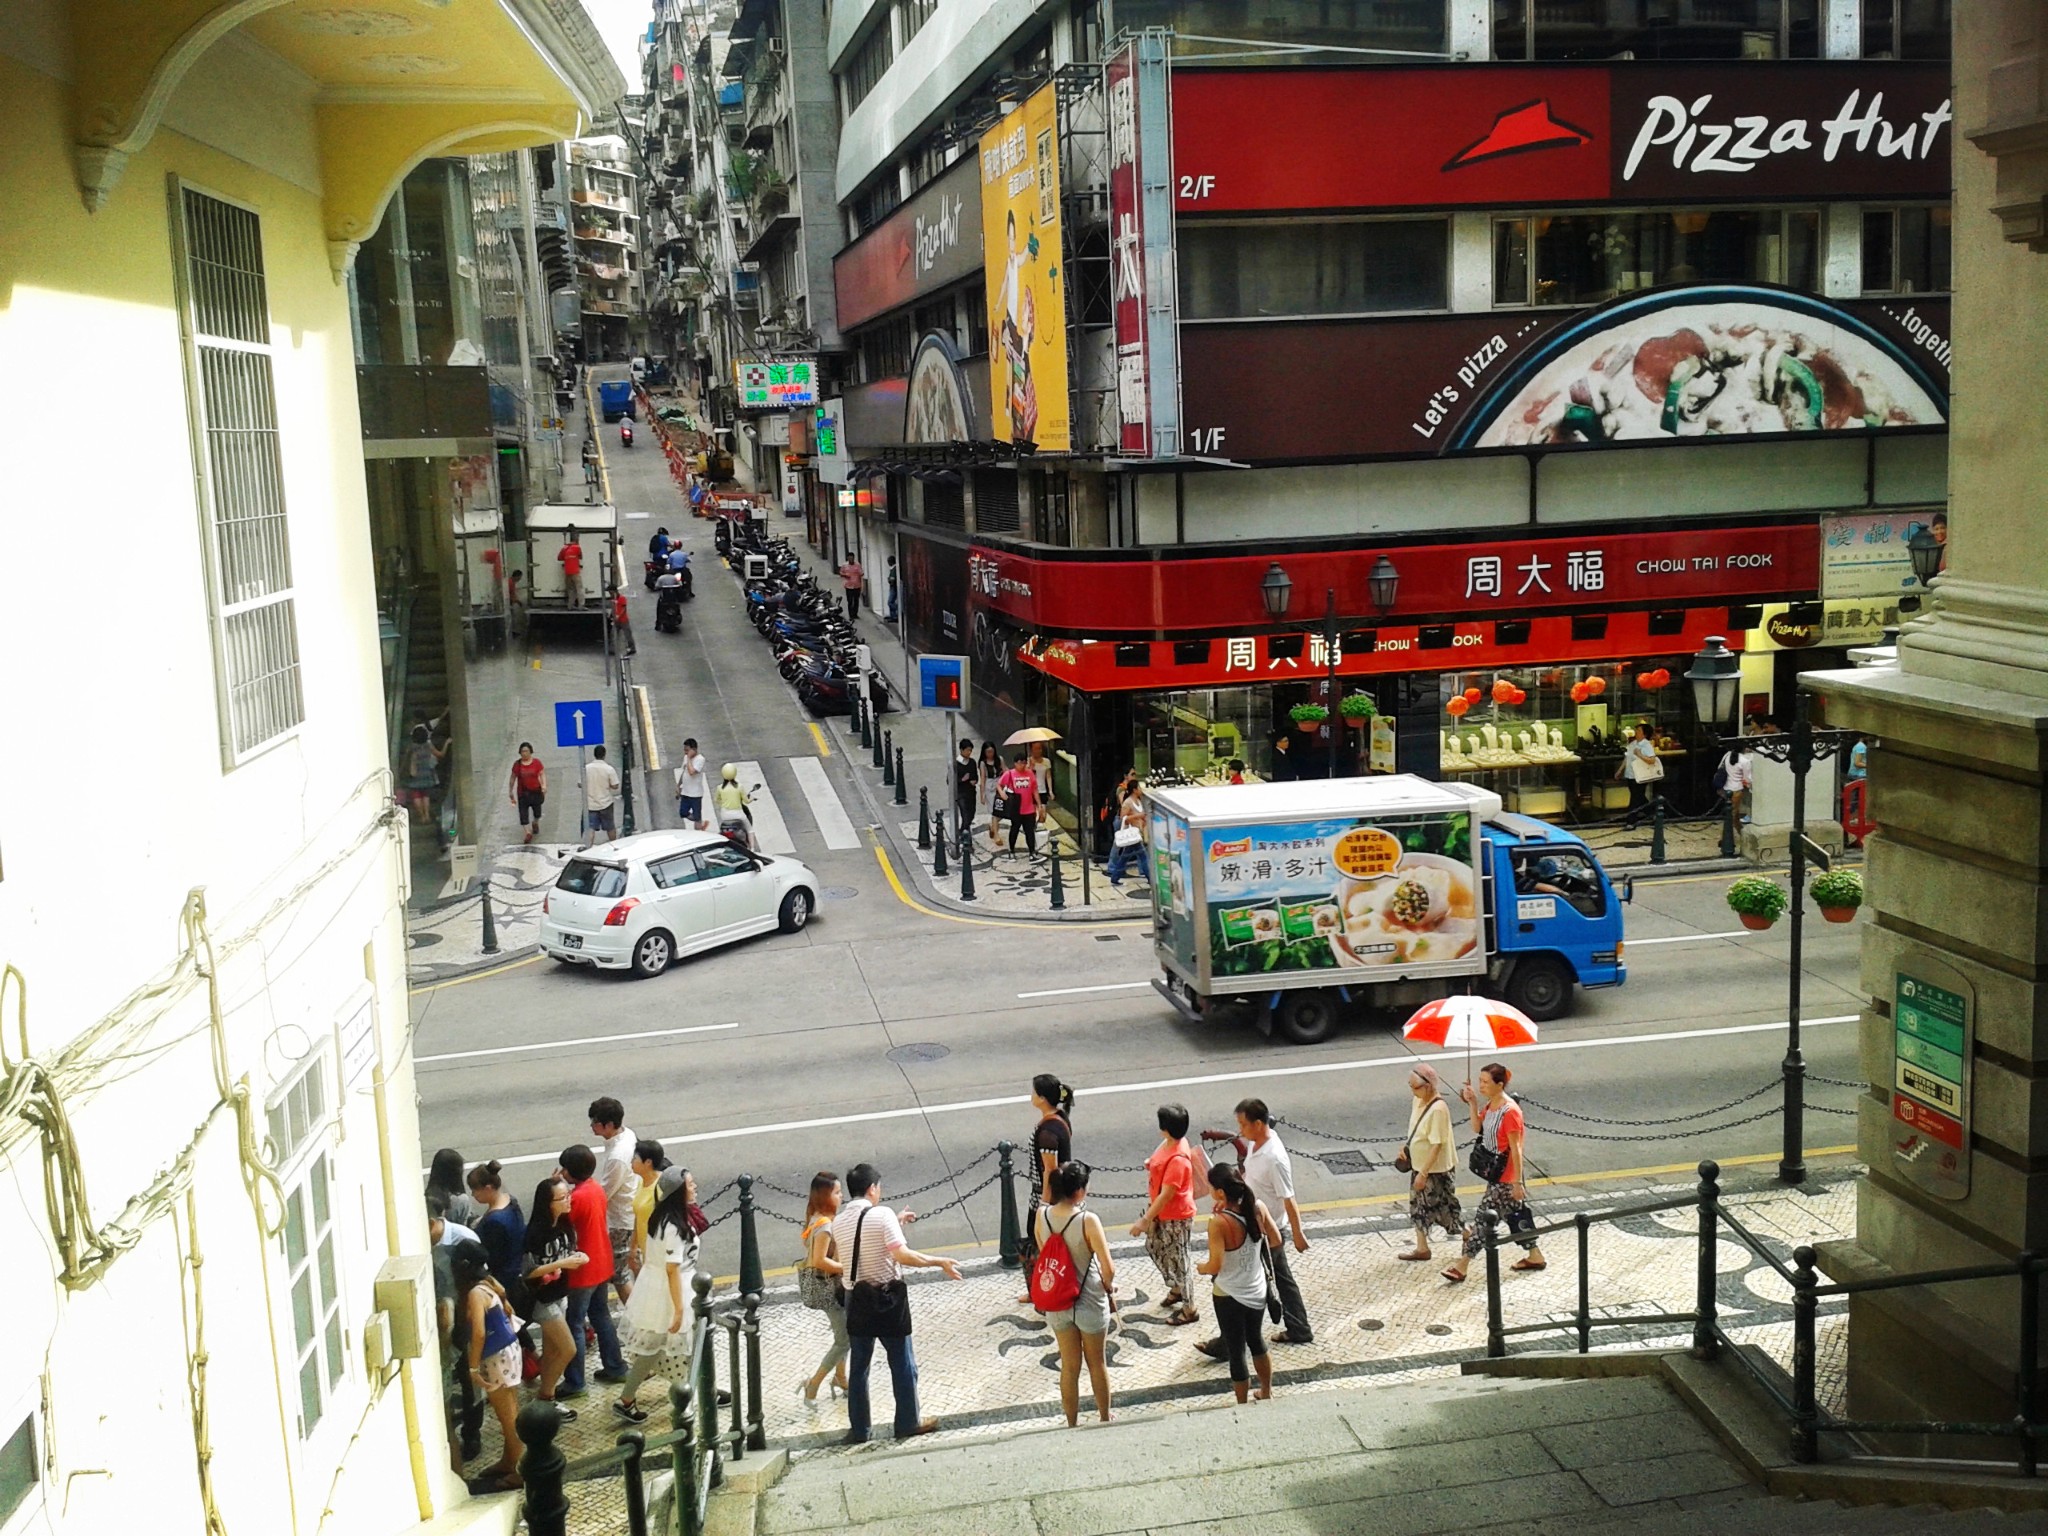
642, 901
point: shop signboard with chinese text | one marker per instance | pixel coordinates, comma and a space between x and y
1511, 578
1933, 1037
835, 462
1025, 265
1704, 363
1518, 136
776, 384
1867, 554
1801, 626
1143, 279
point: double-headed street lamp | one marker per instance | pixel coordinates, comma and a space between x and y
1715, 675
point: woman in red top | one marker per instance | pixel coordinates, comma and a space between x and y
529, 788
1020, 786
1169, 1221
1499, 1156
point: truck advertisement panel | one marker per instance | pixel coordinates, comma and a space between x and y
1396, 894
1172, 888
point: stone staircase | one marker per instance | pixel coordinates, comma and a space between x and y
1540, 1457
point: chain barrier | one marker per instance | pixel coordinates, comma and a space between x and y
987, 1183
1656, 1121
718, 1194
1346, 1139
1711, 1130
1835, 1082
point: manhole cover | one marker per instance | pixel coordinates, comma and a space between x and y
1439, 1329
923, 1050
1371, 1324
1347, 1161
838, 892
1108, 938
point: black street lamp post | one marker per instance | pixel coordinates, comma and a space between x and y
1716, 678
1334, 726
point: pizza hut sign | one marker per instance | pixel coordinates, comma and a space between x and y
1705, 141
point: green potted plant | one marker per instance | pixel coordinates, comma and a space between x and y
1758, 900
1309, 717
1357, 708
1838, 894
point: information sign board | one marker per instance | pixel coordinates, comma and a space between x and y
1933, 1023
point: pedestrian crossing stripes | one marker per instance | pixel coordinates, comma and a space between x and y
833, 824
771, 832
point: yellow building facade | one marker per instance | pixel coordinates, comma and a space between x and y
209, 1158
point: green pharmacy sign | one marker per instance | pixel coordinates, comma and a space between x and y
776, 384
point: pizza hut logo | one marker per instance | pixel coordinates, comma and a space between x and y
1517, 131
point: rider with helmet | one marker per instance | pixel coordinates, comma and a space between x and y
735, 807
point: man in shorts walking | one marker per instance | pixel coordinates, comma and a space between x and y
529, 788
691, 786
601, 797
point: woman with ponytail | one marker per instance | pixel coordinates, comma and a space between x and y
1239, 1228
1052, 1143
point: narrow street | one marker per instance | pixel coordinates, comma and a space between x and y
889, 1033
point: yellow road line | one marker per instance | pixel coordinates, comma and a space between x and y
1339, 1205
910, 901
463, 981
650, 743
818, 735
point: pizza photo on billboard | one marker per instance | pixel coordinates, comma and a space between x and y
1720, 361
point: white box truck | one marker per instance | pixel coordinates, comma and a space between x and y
1298, 899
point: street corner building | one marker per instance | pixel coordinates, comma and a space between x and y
221, 1308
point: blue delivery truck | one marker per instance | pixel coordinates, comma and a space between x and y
1298, 901
615, 398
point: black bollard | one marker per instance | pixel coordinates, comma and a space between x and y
490, 926
879, 748
867, 725
1656, 828
750, 1241
924, 817
541, 1469
1059, 890
1010, 1243
902, 795
939, 846
966, 874
888, 758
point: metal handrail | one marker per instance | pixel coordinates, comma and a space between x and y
1710, 1340
698, 1448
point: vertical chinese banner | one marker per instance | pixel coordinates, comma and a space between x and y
1142, 270
1027, 306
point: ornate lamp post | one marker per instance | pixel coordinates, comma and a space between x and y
1716, 678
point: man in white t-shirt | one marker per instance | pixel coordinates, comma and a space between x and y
600, 797
870, 1233
692, 786
616, 1178
1270, 1173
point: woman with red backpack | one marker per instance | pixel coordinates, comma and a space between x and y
1071, 1282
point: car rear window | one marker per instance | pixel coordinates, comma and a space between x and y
587, 877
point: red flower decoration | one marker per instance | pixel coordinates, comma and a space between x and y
1458, 705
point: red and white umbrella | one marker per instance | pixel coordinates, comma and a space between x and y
1482, 1023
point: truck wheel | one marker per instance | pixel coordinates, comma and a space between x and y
1306, 1018
1541, 988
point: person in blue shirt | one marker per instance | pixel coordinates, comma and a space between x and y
1859, 759
658, 546
678, 557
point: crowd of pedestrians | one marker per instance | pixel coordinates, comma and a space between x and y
525, 1294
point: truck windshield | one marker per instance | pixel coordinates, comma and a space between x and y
1562, 872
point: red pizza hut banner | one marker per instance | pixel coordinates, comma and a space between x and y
1508, 577
1712, 361
1103, 666
1506, 136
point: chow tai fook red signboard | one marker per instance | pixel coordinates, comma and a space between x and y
1508, 135
1510, 578
1675, 364
1103, 666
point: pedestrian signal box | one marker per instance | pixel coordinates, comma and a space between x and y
942, 682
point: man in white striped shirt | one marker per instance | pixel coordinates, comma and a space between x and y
865, 1224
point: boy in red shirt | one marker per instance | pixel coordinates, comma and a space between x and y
587, 1284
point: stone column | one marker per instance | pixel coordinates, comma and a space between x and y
1959, 790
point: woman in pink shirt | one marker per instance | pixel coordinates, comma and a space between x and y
1168, 1222
1020, 788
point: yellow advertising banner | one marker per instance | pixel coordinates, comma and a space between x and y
1027, 304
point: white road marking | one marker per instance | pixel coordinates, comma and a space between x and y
771, 832
833, 824
1690, 938
1314, 1069
581, 1041
1115, 986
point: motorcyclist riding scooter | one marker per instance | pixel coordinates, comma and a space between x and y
625, 433
657, 556
735, 808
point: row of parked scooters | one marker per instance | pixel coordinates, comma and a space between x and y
815, 646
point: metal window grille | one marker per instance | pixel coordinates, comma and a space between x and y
233, 400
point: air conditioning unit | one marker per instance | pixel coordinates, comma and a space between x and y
774, 49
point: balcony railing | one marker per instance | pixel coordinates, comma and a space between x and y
412, 401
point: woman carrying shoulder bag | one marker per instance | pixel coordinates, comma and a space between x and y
1498, 1157
818, 1284
1430, 1157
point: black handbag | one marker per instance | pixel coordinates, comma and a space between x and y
1488, 1165
875, 1311
1274, 1309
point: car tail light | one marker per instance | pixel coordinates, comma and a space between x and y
616, 918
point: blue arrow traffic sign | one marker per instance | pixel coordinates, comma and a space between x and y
579, 723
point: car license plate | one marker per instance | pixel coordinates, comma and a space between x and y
572, 941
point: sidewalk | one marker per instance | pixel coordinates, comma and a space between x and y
987, 1360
